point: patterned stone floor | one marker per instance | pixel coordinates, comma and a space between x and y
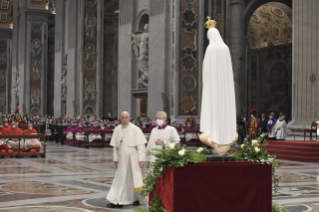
73, 179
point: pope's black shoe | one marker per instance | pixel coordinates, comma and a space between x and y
136, 203
111, 205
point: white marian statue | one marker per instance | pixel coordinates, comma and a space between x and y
218, 113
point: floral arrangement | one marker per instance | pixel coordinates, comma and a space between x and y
178, 156
257, 154
175, 155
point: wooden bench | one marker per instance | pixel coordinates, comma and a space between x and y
19, 153
87, 144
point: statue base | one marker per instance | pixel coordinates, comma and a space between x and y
220, 158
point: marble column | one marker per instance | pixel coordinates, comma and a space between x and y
29, 72
73, 53
305, 88
237, 49
159, 55
125, 56
60, 55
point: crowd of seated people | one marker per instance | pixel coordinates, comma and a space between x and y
71, 131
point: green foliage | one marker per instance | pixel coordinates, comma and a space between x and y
203, 151
157, 206
278, 208
256, 153
176, 156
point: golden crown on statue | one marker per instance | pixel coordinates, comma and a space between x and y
210, 23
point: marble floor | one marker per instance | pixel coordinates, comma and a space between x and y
74, 179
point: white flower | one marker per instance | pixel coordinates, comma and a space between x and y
262, 135
199, 150
257, 149
254, 142
181, 152
242, 146
171, 146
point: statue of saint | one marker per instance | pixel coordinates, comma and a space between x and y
140, 47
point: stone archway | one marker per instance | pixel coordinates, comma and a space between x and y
269, 59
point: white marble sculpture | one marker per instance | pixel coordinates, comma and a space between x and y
218, 113
140, 47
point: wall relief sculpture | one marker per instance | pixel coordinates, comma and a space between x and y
16, 88
36, 48
3, 58
2, 77
64, 87
90, 56
90, 28
140, 47
2, 101
35, 96
89, 93
36, 69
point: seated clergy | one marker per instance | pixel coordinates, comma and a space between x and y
6, 126
14, 129
3, 131
95, 138
69, 133
30, 130
32, 143
79, 134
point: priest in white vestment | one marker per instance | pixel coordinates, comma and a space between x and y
281, 128
161, 136
129, 155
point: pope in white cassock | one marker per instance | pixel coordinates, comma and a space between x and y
129, 155
161, 136
281, 128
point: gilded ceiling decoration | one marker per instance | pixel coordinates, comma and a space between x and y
269, 24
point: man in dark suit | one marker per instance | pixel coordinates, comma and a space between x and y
47, 126
263, 124
55, 130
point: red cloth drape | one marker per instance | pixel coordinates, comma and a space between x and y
216, 187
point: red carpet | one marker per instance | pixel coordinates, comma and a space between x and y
305, 151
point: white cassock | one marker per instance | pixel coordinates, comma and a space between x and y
218, 113
168, 135
128, 181
282, 132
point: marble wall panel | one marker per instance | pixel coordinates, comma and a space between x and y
188, 72
90, 57
37, 67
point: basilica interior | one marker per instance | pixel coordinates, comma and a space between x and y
75, 59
